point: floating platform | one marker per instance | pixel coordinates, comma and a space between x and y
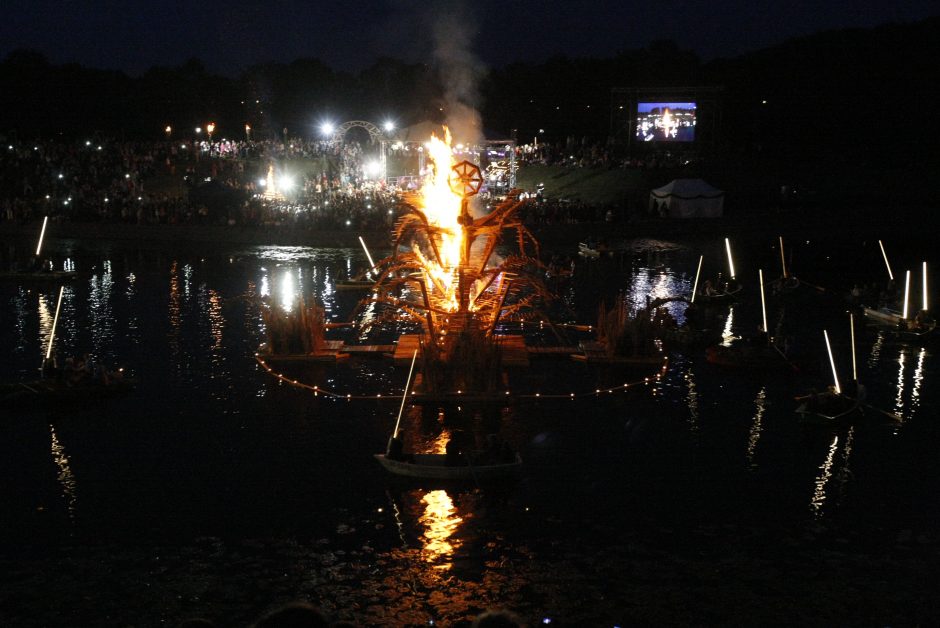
596, 353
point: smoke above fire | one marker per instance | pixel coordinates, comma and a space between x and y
454, 28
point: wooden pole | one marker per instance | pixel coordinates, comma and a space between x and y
783, 260
885, 255
429, 316
832, 362
404, 396
504, 290
41, 234
55, 321
697, 273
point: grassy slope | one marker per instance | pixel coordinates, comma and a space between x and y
588, 185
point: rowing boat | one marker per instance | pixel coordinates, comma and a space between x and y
435, 467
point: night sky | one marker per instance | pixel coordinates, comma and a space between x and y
133, 35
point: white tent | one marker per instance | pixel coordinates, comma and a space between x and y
687, 198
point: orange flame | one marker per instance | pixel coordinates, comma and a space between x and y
441, 206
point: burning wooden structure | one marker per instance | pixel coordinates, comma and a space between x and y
449, 274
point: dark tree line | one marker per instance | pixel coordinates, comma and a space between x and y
847, 98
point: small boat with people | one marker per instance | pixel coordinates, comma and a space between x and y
470, 467
919, 326
37, 276
827, 407
719, 292
68, 386
753, 353
458, 463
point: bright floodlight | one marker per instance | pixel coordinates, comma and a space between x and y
198, 129
262, 182
285, 183
389, 126
373, 168
326, 128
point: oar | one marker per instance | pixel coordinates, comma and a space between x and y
891, 415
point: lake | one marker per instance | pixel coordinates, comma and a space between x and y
697, 497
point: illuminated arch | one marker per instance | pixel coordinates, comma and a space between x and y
375, 133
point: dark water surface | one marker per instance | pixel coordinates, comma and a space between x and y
216, 490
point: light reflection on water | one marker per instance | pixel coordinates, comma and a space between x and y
756, 426
188, 324
65, 476
440, 521
822, 479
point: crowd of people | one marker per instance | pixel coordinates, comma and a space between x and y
229, 182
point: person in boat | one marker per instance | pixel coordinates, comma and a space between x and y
854, 389
920, 322
455, 448
396, 450
50, 370
709, 289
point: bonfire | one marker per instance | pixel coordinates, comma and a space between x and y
448, 275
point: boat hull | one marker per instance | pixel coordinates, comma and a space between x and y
433, 467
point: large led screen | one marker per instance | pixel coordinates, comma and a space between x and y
665, 121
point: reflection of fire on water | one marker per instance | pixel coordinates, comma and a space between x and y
440, 523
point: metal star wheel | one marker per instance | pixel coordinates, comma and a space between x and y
465, 179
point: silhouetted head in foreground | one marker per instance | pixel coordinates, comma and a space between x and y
294, 615
497, 618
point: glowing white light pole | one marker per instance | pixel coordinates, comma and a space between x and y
763, 306
55, 320
852, 334
885, 255
697, 272
907, 293
730, 261
404, 397
925, 286
364, 248
783, 260
46, 220
832, 362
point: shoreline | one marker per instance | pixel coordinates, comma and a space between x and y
770, 224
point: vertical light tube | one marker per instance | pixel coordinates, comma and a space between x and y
730, 261
885, 255
907, 293
925, 285
832, 362
763, 306
55, 321
41, 234
852, 333
699, 270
